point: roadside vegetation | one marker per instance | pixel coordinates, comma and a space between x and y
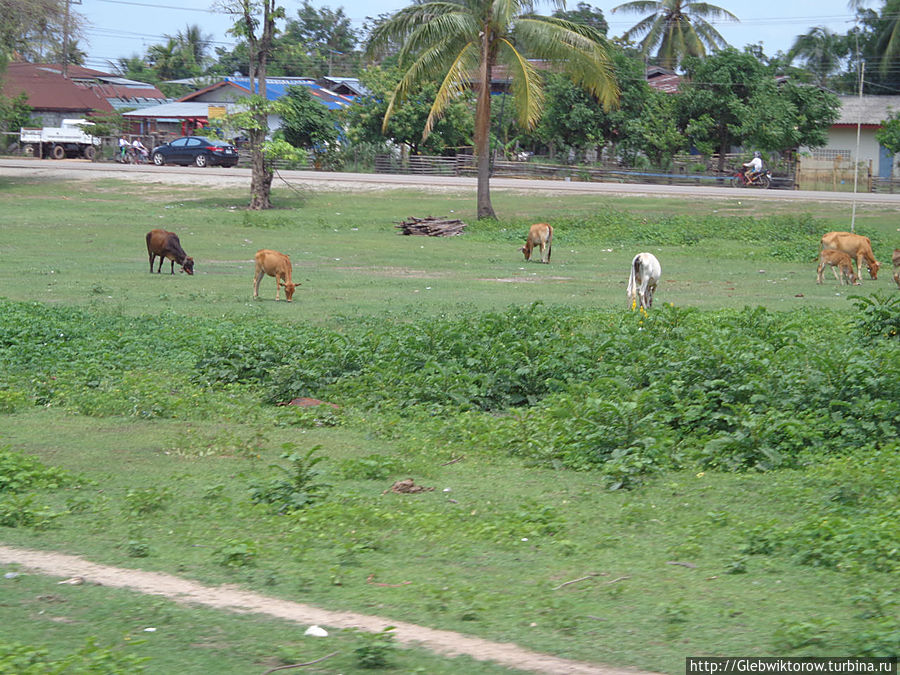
715, 476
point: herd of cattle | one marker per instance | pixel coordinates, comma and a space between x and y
836, 249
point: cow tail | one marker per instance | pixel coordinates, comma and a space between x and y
631, 290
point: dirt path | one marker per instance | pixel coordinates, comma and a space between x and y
233, 599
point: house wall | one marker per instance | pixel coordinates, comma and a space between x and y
844, 139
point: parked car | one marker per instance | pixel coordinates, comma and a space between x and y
195, 150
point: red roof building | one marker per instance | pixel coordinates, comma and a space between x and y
54, 97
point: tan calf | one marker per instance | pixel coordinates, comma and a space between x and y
856, 246
541, 235
838, 261
276, 265
896, 261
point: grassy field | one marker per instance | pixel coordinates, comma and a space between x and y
744, 430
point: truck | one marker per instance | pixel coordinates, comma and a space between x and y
68, 140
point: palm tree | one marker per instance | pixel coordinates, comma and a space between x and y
676, 28
458, 43
194, 44
822, 50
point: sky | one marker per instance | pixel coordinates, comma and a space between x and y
123, 28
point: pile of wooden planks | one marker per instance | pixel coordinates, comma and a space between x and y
432, 227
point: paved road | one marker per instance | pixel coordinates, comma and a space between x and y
76, 168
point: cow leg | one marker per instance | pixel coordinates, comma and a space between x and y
277, 287
171, 267
152, 258
820, 273
162, 259
838, 275
549, 248
259, 275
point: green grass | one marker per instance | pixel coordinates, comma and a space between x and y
757, 446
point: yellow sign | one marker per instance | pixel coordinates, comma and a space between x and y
216, 112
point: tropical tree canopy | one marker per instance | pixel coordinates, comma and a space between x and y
459, 42
676, 28
822, 52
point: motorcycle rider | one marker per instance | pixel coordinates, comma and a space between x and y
755, 166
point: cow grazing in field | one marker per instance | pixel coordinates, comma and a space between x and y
856, 246
276, 265
645, 273
896, 260
841, 264
166, 245
540, 235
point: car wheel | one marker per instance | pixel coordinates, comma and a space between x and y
201, 161
158, 159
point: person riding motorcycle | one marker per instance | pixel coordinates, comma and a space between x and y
755, 166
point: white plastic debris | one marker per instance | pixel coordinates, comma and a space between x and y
316, 631
10, 575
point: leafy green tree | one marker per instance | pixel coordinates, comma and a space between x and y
889, 133
34, 30
135, 68
306, 123
655, 131
458, 43
822, 52
325, 37
15, 113
572, 118
365, 119
586, 15
731, 99
676, 28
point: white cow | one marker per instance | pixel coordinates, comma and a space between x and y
645, 273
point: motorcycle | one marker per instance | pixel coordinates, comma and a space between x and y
761, 180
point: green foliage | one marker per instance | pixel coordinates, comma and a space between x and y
20, 472
15, 113
889, 133
307, 124
299, 488
20, 659
236, 553
370, 467
143, 501
880, 315
376, 649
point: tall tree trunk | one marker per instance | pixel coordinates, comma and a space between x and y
483, 129
261, 172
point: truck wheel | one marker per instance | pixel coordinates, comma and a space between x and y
89, 152
28, 150
58, 152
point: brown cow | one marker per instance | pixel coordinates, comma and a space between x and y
856, 246
838, 261
276, 265
166, 245
896, 261
541, 235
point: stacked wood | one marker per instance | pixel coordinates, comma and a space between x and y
432, 227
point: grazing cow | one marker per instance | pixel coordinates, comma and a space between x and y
896, 261
856, 246
838, 261
645, 273
540, 235
166, 245
276, 265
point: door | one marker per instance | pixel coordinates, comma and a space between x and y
885, 162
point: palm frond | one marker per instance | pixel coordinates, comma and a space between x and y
403, 22
455, 83
527, 88
705, 10
585, 60
451, 28
639, 6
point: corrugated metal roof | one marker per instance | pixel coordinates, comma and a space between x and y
276, 87
176, 110
868, 110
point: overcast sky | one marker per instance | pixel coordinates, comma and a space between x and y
121, 28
